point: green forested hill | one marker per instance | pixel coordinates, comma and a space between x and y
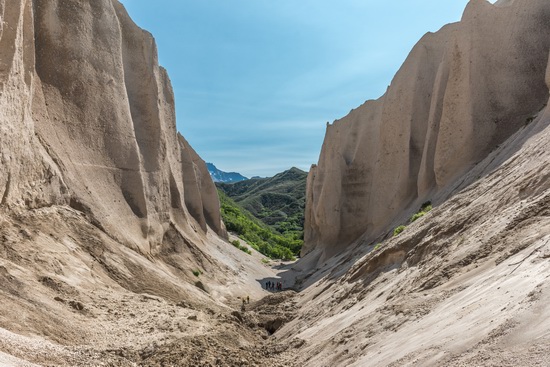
278, 201
256, 233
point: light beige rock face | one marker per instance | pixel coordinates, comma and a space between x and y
28, 176
461, 92
110, 229
201, 195
87, 119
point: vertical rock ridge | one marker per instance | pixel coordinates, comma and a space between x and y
87, 118
461, 92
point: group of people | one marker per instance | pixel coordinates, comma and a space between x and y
273, 286
245, 301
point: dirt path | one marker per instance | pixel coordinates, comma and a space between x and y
106, 325
74, 297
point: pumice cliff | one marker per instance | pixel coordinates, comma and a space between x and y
461, 92
110, 229
111, 249
87, 120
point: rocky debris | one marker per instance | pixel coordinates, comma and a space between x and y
147, 297
273, 325
184, 304
76, 305
238, 315
201, 286
228, 345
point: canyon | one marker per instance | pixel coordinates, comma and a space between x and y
113, 251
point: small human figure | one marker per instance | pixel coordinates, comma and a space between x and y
248, 299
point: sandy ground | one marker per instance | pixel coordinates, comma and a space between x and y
74, 297
466, 285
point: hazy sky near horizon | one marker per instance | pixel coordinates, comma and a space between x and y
256, 81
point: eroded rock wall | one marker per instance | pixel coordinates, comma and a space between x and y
461, 92
87, 119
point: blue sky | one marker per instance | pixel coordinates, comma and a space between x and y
256, 80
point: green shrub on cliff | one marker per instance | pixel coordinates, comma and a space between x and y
426, 207
398, 230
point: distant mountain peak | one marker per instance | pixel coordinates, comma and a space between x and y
221, 176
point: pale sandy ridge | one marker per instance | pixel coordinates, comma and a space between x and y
466, 285
88, 121
109, 246
460, 94
464, 125
110, 229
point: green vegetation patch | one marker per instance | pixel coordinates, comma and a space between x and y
426, 207
278, 201
243, 248
197, 273
398, 230
256, 233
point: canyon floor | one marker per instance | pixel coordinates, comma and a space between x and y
72, 296
126, 329
487, 315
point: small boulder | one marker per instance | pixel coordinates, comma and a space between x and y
201, 286
76, 305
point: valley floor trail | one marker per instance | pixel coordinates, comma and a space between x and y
486, 311
140, 330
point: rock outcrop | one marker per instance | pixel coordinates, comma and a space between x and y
87, 120
461, 92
